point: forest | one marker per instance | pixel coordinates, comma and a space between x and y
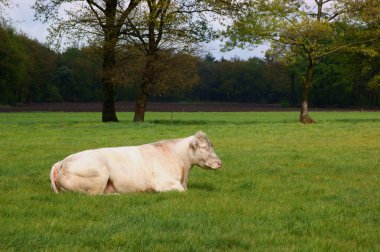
31, 72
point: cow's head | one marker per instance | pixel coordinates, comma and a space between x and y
203, 153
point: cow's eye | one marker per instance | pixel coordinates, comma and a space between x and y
204, 147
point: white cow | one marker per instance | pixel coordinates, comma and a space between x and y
160, 166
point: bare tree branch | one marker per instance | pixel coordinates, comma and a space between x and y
92, 4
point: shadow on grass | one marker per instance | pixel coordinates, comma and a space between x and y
202, 186
181, 122
231, 243
357, 120
205, 122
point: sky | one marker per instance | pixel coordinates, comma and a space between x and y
22, 18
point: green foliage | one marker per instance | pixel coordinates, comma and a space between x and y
30, 72
78, 75
173, 72
308, 29
283, 186
243, 81
374, 83
165, 24
85, 22
344, 79
166, 32
41, 64
12, 67
313, 29
28, 68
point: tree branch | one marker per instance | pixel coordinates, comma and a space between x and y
125, 13
346, 46
162, 14
136, 33
92, 4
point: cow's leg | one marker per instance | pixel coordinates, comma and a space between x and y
91, 181
110, 188
171, 185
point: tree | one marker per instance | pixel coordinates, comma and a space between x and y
308, 29
12, 67
64, 79
163, 25
171, 75
92, 19
40, 63
26, 69
343, 79
374, 83
84, 66
210, 80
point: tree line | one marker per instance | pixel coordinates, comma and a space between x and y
31, 72
323, 52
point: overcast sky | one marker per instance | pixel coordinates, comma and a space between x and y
22, 17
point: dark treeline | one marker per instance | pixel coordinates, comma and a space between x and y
30, 72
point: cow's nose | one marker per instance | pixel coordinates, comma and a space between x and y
219, 163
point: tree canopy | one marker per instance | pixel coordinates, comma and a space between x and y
30, 72
158, 28
91, 20
309, 29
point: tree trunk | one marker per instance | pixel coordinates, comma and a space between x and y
304, 116
109, 63
140, 107
109, 112
143, 93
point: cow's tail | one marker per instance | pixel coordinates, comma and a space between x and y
54, 176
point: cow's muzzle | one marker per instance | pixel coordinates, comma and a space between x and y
217, 164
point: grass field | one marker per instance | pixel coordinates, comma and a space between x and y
283, 185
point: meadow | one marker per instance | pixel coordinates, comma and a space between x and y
283, 185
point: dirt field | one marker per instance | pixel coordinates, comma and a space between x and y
158, 107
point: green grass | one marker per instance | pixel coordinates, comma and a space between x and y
283, 185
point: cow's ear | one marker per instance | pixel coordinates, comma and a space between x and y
194, 143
